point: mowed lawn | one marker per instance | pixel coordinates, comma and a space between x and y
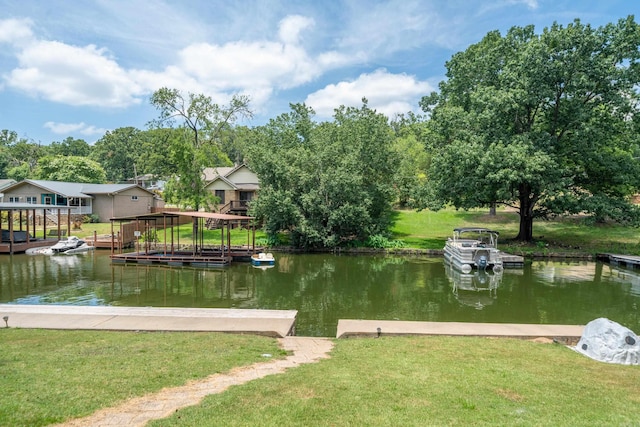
570, 235
50, 376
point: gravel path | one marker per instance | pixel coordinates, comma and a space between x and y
140, 410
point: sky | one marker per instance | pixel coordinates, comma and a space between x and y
81, 68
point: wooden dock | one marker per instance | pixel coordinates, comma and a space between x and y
622, 260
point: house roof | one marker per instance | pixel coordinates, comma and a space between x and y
78, 189
192, 214
212, 173
6, 182
224, 174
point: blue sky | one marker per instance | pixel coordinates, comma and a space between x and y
81, 68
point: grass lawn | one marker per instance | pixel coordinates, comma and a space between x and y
430, 230
50, 376
417, 381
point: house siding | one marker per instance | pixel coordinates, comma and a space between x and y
121, 204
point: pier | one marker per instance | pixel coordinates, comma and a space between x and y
621, 260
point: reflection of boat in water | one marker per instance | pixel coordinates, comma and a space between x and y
473, 247
477, 288
262, 259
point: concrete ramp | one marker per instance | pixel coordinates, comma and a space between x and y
275, 323
354, 328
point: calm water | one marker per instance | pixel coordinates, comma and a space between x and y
325, 288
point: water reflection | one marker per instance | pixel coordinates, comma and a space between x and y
325, 288
477, 289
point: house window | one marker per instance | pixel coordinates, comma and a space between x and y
246, 196
220, 196
14, 199
32, 200
134, 198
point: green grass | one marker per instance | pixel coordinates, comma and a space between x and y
418, 381
50, 376
430, 230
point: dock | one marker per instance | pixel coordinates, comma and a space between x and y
622, 260
512, 261
569, 334
273, 323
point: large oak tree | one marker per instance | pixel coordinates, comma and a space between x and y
546, 123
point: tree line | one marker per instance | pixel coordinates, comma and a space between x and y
545, 123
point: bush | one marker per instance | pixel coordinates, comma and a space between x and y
91, 219
381, 242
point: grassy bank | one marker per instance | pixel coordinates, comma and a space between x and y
429, 230
432, 381
50, 376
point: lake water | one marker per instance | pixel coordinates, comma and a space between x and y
325, 288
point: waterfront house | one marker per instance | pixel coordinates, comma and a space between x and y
234, 187
105, 201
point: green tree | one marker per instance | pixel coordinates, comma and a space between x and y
545, 123
70, 147
413, 159
70, 169
202, 122
118, 151
327, 184
18, 156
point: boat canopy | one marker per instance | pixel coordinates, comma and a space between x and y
475, 230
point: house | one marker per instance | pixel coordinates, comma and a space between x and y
234, 186
106, 201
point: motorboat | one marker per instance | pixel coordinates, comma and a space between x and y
70, 243
261, 259
473, 248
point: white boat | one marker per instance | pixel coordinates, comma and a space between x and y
262, 259
80, 249
71, 242
473, 247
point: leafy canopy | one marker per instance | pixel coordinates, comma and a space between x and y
546, 123
325, 183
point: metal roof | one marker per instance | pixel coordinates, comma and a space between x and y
78, 189
193, 214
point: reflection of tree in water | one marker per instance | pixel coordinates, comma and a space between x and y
161, 286
327, 288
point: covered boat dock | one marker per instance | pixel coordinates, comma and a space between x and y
20, 230
157, 240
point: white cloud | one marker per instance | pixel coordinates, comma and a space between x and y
16, 32
72, 128
387, 93
80, 76
292, 26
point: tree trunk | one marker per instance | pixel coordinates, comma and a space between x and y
492, 209
525, 233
